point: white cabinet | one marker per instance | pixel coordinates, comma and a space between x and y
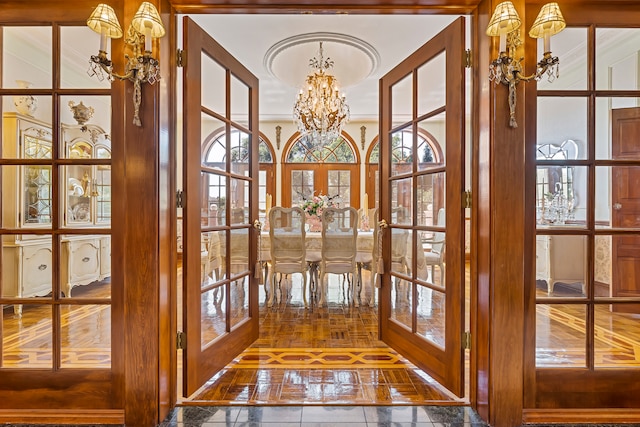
27, 268
561, 258
27, 207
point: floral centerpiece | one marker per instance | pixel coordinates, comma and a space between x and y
313, 208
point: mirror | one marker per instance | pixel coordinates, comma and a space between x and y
556, 199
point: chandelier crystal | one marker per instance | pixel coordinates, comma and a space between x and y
320, 110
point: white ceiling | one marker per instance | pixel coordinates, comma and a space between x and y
249, 38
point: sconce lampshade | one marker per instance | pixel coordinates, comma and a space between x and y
147, 17
549, 21
505, 19
104, 21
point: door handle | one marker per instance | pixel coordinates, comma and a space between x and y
383, 224
617, 206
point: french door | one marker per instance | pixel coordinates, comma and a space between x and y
422, 293
220, 293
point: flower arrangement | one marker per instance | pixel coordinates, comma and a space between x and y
314, 206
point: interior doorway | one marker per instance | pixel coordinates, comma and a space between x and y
245, 271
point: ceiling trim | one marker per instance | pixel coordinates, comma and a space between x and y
322, 7
300, 39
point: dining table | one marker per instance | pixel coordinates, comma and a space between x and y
313, 247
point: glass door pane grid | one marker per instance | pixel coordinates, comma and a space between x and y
59, 318
597, 307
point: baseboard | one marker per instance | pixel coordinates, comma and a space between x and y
62, 416
575, 416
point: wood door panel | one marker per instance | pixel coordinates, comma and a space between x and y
587, 389
205, 354
442, 356
625, 200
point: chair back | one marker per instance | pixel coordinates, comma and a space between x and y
375, 250
438, 236
400, 256
339, 239
287, 235
214, 258
239, 253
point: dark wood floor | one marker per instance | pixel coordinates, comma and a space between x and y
320, 355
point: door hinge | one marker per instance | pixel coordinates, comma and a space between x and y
467, 58
466, 340
181, 340
181, 58
179, 199
466, 199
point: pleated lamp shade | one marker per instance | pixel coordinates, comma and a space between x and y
505, 19
104, 21
549, 21
147, 17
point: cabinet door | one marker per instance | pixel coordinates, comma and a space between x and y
79, 195
36, 270
81, 263
88, 185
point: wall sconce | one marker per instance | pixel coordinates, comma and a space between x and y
141, 67
505, 23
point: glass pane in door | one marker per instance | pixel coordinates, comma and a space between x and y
402, 100
85, 343
561, 335
213, 92
402, 152
239, 101
15, 61
214, 202
431, 90
339, 187
213, 315
430, 315
302, 186
402, 201
27, 340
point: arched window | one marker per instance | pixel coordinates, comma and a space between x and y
216, 158
312, 168
430, 155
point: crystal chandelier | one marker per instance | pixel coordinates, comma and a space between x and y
320, 111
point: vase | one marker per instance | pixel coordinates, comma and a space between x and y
81, 113
25, 104
315, 224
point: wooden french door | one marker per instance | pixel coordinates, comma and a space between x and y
220, 293
331, 179
625, 199
421, 299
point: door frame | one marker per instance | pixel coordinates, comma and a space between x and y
465, 9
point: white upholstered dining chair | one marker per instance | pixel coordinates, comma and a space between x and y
339, 246
435, 257
288, 249
369, 260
